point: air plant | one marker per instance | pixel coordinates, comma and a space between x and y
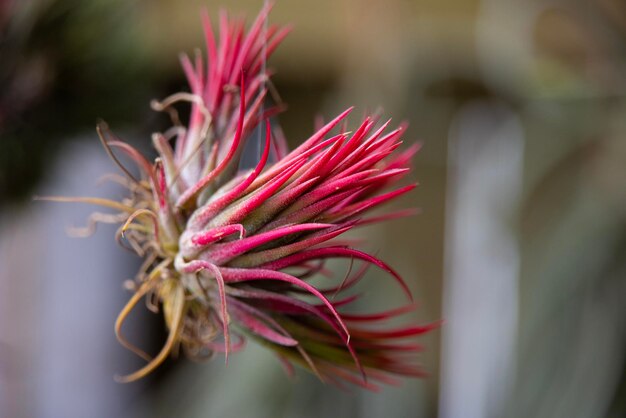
231, 253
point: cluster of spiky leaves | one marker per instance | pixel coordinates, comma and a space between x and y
231, 253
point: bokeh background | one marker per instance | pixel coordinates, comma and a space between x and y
520, 245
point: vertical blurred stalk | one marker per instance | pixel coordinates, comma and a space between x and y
480, 298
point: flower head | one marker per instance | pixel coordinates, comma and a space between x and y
230, 253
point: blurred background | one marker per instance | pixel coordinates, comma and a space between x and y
520, 245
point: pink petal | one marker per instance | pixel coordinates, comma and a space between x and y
338, 252
222, 253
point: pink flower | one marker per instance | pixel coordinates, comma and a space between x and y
230, 253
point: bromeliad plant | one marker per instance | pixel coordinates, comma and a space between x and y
231, 253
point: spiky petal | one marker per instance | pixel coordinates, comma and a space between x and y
231, 253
